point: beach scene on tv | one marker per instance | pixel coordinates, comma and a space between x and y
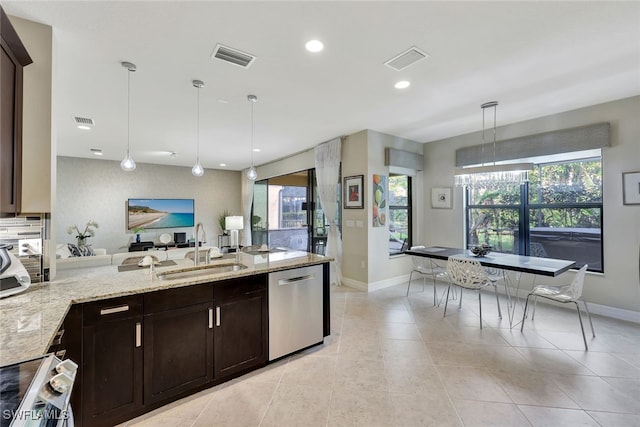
160, 213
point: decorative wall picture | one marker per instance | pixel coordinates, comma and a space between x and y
441, 198
631, 188
354, 192
379, 200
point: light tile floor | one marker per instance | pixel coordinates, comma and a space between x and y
394, 361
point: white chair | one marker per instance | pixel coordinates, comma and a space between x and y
469, 274
426, 267
564, 294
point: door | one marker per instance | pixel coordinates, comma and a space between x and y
287, 213
240, 334
111, 371
178, 352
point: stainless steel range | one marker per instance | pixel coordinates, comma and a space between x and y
36, 392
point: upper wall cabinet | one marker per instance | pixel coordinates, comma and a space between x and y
13, 58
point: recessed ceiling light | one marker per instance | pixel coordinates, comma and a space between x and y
96, 151
84, 127
256, 150
314, 46
223, 165
402, 84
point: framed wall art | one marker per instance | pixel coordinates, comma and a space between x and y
354, 192
379, 194
441, 198
631, 188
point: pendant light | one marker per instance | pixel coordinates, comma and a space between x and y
492, 176
252, 174
197, 169
128, 164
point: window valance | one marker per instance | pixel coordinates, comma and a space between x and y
542, 144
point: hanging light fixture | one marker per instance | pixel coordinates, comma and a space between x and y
492, 176
252, 174
197, 169
128, 164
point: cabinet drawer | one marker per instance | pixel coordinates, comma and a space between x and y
240, 286
155, 302
112, 309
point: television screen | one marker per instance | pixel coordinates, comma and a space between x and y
160, 213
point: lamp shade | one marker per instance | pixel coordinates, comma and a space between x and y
234, 222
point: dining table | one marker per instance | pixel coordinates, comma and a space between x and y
518, 264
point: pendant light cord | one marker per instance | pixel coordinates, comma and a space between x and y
495, 108
128, 111
252, 133
198, 125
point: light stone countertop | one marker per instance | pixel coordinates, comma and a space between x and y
29, 320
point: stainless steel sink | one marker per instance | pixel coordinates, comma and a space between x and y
201, 270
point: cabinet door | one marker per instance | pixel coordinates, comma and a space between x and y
8, 142
111, 371
240, 334
178, 353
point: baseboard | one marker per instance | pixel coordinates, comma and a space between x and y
603, 310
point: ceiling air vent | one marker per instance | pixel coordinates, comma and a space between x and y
406, 58
83, 121
233, 56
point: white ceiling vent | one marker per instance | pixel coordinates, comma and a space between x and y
233, 56
83, 121
406, 58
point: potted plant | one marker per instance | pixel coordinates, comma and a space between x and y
81, 236
222, 220
137, 231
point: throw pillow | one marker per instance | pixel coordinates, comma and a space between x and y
80, 250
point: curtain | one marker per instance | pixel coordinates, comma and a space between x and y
246, 188
327, 162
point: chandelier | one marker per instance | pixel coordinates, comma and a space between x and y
492, 176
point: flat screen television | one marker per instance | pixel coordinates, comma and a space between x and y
160, 213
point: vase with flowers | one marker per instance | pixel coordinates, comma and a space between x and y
82, 236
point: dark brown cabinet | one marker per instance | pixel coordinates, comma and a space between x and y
111, 366
139, 352
178, 341
240, 338
13, 57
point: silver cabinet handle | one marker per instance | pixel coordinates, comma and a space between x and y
57, 340
138, 334
295, 279
112, 310
218, 316
211, 318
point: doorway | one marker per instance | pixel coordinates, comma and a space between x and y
287, 213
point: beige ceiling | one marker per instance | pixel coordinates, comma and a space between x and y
535, 58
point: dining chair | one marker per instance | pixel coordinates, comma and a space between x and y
469, 274
571, 293
426, 267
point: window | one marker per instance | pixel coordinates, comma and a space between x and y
557, 214
399, 213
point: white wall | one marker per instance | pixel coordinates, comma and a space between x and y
366, 262
98, 190
619, 286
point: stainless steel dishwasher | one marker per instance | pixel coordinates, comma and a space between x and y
295, 310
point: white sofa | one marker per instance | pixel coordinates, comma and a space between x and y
66, 262
100, 258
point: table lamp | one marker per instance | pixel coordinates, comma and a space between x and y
234, 223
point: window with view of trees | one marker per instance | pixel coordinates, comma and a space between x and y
557, 214
399, 213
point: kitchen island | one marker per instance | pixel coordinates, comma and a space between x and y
109, 320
